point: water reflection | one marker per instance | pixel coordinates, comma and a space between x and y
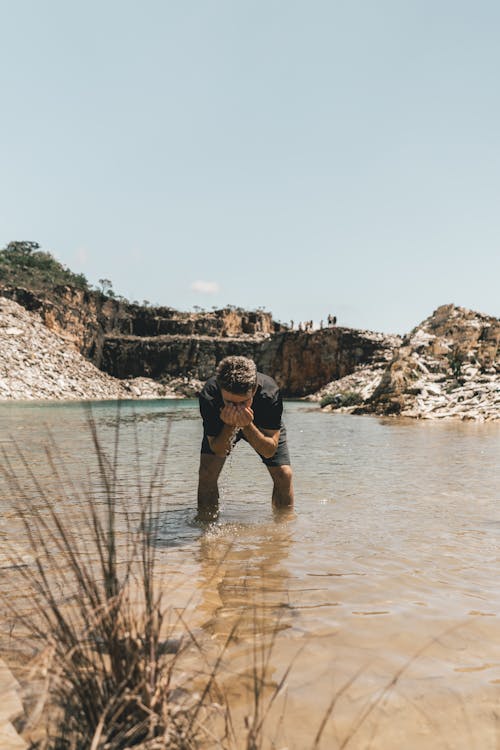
244, 579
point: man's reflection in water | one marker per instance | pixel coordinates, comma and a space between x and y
244, 579
244, 582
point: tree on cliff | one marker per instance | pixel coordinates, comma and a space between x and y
23, 264
106, 287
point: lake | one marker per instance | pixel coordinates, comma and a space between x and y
384, 584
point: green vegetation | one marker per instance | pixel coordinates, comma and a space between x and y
342, 398
23, 264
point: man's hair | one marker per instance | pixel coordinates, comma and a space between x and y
236, 375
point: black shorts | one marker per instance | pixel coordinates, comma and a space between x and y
280, 458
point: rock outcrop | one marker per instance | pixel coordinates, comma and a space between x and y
130, 341
86, 318
301, 362
448, 366
37, 363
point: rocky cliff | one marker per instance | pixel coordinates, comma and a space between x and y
130, 341
301, 362
86, 318
448, 366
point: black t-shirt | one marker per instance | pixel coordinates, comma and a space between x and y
267, 405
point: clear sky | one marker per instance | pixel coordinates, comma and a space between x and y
308, 157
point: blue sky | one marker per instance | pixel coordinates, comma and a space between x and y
308, 157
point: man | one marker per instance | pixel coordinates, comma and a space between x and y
241, 403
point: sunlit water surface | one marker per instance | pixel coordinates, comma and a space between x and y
384, 584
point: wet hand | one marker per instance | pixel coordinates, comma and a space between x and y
245, 416
236, 416
229, 415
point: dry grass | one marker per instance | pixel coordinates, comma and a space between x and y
92, 602
111, 652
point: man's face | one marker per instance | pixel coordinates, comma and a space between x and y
240, 400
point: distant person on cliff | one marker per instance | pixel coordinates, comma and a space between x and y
240, 403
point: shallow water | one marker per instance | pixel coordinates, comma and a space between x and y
384, 584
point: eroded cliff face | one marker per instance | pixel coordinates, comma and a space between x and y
86, 319
301, 362
448, 366
37, 363
81, 318
163, 357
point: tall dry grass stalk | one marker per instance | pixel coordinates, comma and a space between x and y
91, 600
93, 608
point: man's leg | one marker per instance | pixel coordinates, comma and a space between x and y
282, 486
208, 490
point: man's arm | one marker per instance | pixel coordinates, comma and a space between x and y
221, 443
265, 442
231, 417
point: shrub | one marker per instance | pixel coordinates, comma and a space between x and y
90, 595
342, 398
23, 264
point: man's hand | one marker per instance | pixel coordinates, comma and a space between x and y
229, 414
236, 416
245, 416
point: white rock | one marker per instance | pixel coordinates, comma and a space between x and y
433, 389
13, 331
